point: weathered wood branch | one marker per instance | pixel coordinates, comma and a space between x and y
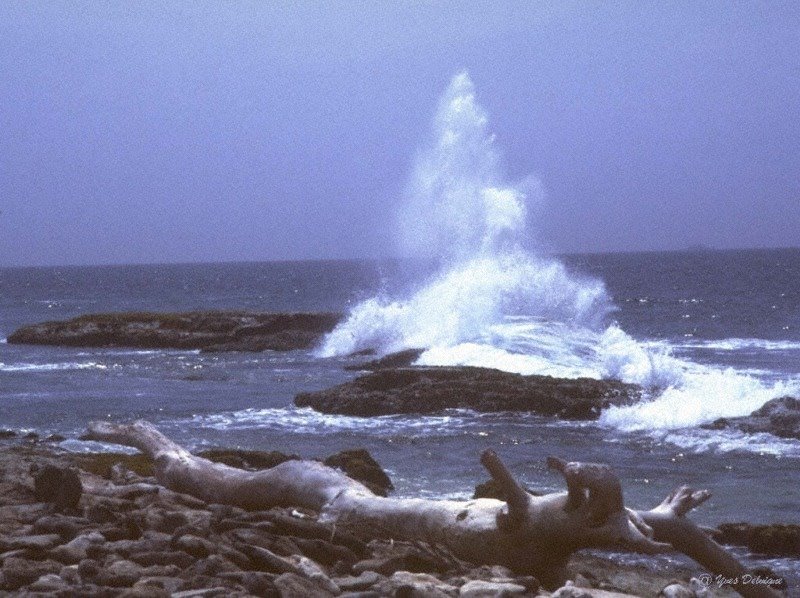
533, 535
669, 523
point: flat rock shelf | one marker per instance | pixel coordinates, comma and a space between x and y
204, 330
431, 389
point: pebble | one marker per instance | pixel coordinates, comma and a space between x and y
490, 589
37, 542
194, 546
404, 584
50, 582
291, 585
170, 584
366, 580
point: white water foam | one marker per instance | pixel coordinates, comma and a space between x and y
125, 352
461, 211
702, 395
49, 367
741, 344
494, 303
731, 441
465, 301
306, 420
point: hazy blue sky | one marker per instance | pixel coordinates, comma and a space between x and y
186, 131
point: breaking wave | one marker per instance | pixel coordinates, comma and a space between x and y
461, 211
493, 302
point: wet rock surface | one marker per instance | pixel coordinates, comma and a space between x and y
770, 539
206, 330
431, 389
780, 417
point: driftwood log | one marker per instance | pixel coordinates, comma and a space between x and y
530, 534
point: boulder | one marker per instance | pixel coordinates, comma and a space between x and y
315, 573
194, 546
359, 465
60, 486
780, 417
433, 389
38, 542
570, 590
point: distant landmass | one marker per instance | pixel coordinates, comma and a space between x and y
699, 247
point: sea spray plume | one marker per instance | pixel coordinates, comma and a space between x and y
492, 303
456, 204
460, 211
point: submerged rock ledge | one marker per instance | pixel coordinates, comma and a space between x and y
205, 330
431, 389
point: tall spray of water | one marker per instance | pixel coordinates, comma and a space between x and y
461, 211
492, 303
457, 205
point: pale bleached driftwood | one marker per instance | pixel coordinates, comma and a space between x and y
530, 534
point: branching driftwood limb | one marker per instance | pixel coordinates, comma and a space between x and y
530, 534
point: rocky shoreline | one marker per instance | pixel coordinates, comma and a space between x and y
113, 531
204, 330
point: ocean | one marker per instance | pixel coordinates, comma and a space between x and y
723, 326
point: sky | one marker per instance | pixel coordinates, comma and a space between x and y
151, 132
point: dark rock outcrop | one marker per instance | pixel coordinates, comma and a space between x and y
206, 330
780, 417
433, 389
773, 539
359, 465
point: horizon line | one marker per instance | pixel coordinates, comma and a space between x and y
699, 248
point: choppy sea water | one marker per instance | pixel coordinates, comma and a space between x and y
722, 329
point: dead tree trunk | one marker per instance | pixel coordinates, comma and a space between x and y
533, 535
